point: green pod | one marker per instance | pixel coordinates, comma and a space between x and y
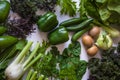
2, 30
47, 22
78, 34
4, 10
80, 26
72, 21
6, 41
59, 35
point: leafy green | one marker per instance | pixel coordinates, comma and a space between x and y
81, 69
67, 7
69, 64
104, 11
91, 8
47, 64
114, 5
71, 67
106, 68
73, 49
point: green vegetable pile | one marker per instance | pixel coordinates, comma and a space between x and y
45, 61
105, 11
70, 65
106, 68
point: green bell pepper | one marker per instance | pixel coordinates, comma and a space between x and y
2, 30
47, 22
4, 10
6, 41
59, 35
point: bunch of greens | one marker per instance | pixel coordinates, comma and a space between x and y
71, 67
47, 64
104, 12
106, 68
7, 55
65, 66
67, 7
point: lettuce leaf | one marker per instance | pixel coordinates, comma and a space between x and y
114, 5
105, 11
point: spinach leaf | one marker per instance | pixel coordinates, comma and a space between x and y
68, 72
74, 49
81, 69
71, 67
114, 5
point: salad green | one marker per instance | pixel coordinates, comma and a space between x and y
70, 65
105, 11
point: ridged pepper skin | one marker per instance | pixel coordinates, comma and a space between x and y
4, 10
2, 30
47, 22
6, 41
59, 35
